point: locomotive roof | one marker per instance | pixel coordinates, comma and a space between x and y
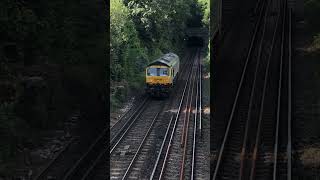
168, 59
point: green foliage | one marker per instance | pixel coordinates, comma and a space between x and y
312, 14
159, 21
141, 31
315, 46
126, 51
316, 41
205, 6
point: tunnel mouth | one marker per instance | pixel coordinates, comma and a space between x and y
194, 41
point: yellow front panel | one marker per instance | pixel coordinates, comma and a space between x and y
159, 79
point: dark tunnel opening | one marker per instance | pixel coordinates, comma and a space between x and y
194, 41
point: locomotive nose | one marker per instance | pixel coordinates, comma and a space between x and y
157, 80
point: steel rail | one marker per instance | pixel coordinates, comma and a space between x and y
187, 111
88, 171
257, 141
174, 128
289, 146
94, 164
72, 170
122, 117
257, 6
162, 145
183, 69
252, 93
214, 177
279, 95
129, 127
84, 155
195, 123
103, 153
184, 120
45, 169
186, 117
134, 116
184, 66
200, 99
169, 124
140, 146
186, 128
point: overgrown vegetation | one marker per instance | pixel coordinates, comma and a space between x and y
312, 15
51, 61
205, 7
315, 46
310, 157
141, 31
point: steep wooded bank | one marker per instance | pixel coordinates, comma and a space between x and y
141, 31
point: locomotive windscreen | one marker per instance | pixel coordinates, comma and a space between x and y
157, 72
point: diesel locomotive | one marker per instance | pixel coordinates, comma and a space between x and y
161, 75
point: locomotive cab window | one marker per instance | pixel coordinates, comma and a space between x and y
163, 71
152, 72
157, 71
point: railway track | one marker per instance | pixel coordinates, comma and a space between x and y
125, 153
150, 150
74, 163
257, 139
97, 169
176, 157
138, 144
135, 140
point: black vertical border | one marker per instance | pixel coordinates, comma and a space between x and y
107, 67
211, 23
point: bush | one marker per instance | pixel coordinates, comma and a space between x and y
315, 46
316, 42
142, 31
311, 157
